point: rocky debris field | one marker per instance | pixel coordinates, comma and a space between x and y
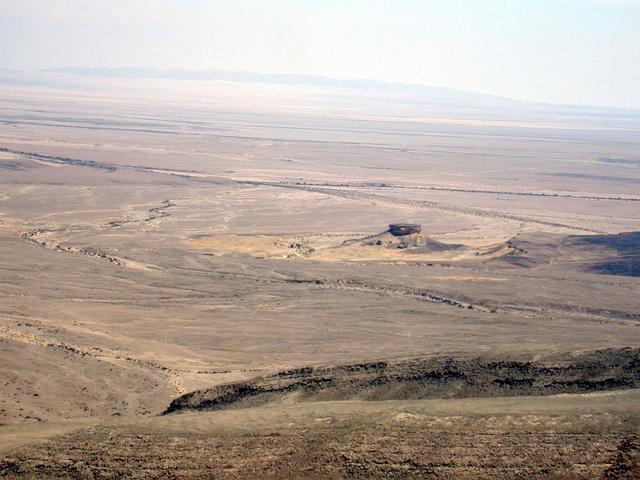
385, 445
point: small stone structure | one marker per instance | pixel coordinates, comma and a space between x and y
402, 229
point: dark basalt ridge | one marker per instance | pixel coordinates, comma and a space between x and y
425, 378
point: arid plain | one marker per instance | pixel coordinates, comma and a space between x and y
160, 237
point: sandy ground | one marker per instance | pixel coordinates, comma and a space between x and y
151, 248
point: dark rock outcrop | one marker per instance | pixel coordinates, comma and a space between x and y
402, 229
435, 377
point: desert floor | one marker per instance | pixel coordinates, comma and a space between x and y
150, 247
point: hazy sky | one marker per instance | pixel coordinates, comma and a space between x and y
566, 51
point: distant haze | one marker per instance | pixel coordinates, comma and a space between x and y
560, 51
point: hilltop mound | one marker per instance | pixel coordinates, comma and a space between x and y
415, 243
406, 236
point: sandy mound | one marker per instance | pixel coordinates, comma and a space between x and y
416, 242
391, 246
407, 242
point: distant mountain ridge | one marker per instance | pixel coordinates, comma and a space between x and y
272, 78
72, 77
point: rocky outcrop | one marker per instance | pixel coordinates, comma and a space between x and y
436, 377
402, 229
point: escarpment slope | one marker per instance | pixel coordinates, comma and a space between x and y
426, 378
